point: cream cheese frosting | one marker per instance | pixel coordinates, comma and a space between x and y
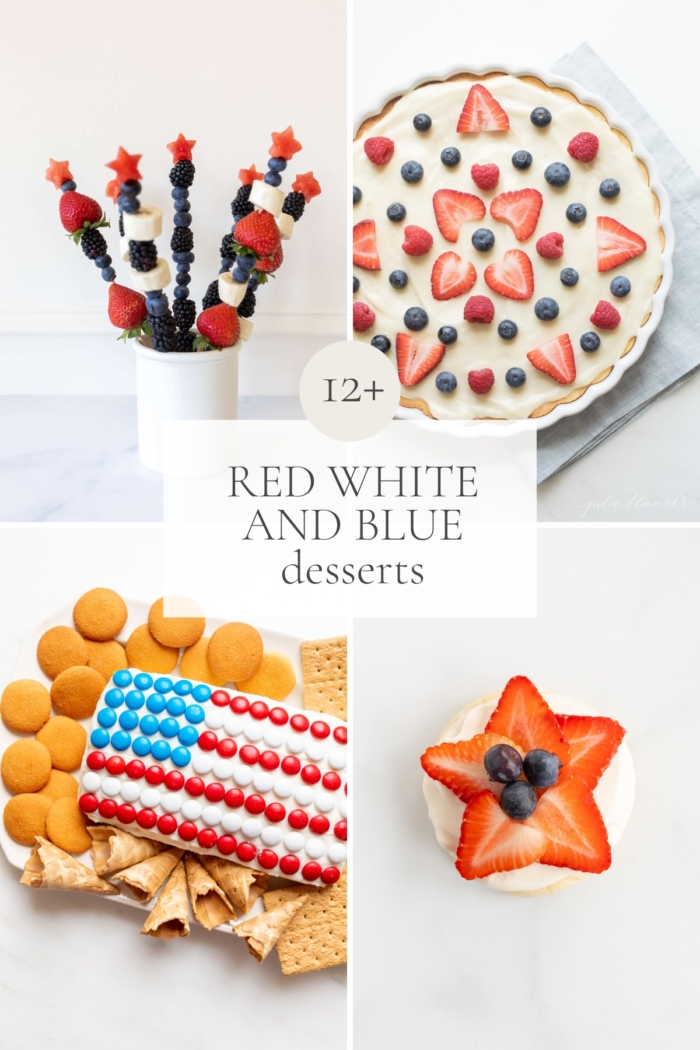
479, 346
614, 795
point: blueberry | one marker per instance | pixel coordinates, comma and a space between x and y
356, 195
158, 307
422, 122
154, 295
130, 188
507, 329
181, 292
182, 218
447, 334
103, 260
515, 377
546, 309
381, 342
569, 276
355, 285
609, 188
541, 768
557, 174
246, 262
483, 240
522, 159
450, 156
620, 287
518, 800
187, 257
272, 178
590, 342
412, 171
226, 265
182, 205
415, 318
67, 185
503, 763
109, 273
183, 267
240, 275
398, 279
179, 193
129, 204
396, 212
446, 382
277, 164
576, 213
541, 117
182, 278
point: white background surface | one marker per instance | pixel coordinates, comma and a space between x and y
611, 962
73, 966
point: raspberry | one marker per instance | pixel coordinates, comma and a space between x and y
479, 310
417, 241
362, 317
551, 246
485, 175
605, 315
583, 146
380, 150
480, 379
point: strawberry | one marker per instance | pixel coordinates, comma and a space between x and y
78, 212
460, 766
583, 146
479, 309
258, 231
481, 112
451, 277
556, 359
593, 742
551, 246
219, 326
519, 209
481, 380
452, 208
512, 277
485, 176
364, 245
414, 360
490, 841
362, 317
380, 150
270, 265
417, 241
616, 244
574, 832
127, 310
605, 316
525, 717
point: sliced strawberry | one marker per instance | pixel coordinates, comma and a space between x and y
616, 244
460, 766
481, 112
555, 359
414, 360
490, 841
452, 208
519, 209
451, 277
593, 742
569, 819
364, 245
524, 716
512, 277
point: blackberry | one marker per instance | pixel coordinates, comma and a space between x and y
184, 342
294, 204
246, 307
240, 205
93, 243
227, 249
211, 296
121, 225
164, 333
143, 255
184, 312
181, 240
182, 174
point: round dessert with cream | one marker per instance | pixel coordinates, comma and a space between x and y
506, 244
527, 791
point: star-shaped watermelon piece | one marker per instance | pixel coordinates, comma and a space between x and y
125, 165
181, 148
112, 190
249, 175
284, 144
307, 185
58, 172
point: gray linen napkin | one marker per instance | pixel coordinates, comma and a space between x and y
673, 351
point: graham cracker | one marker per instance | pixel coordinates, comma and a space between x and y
317, 935
325, 667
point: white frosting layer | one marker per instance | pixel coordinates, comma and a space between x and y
614, 795
479, 346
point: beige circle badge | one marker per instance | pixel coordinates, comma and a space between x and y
349, 391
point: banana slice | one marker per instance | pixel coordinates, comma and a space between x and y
267, 197
143, 225
231, 291
246, 328
152, 280
124, 249
285, 224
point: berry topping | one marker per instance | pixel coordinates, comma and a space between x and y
479, 309
259, 232
515, 377
620, 287
483, 240
541, 117
398, 278
396, 212
450, 156
512, 277
415, 318
485, 175
422, 122
573, 829
490, 841
452, 208
356, 195
415, 360
521, 159
551, 246
446, 382
507, 329
481, 112
460, 765
616, 244
417, 241
583, 146
523, 716
380, 150
557, 174
451, 277
593, 742
556, 359
518, 800
609, 188
362, 317
569, 277
447, 334
541, 768
546, 309
364, 245
576, 213
519, 209
381, 342
219, 326
355, 285
480, 380
605, 316
411, 171
503, 763
590, 342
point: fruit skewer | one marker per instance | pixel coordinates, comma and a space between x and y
182, 242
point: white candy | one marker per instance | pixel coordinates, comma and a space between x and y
271, 836
262, 782
143, 225
337, 760
91, 781
273, 736
214, 718
191, 810
283, 788
294, 841
243, 775
152, 280
246, 328
315, 848
223, 769
231, 822
150, 798
296, 743
172, 802
337, 853
253, 732
211, 815
111, 786
315, 750
130, 791
202, 763
251, 828
324, 801
304, 795
124, 249
285, 224
343, 807
233, 724
267, 197
231, 291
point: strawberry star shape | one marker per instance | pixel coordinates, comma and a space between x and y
58, 172
566, 828
125, 165
181, 148
249, 175
307, 185
284, 144
112, 189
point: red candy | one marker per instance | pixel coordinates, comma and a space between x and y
290, 864
207, 838
319, 825
291, 765
220, 698
299, 722
208, 741
155, 775
194, 786
245, 851
341, 830
227, 748
275, 812
126, 814
115, 765
187, 831
259, 710
298, 819
279, 717
331, 781
311, 871
107, 808
226, 845
167, 824
320, 729
340, 734
330, 875
135, 769
249, 754
146, 818
174, 780
234, 798
267, 858
214, 792
255, 803
240, 705
269, 760
311, 774
96, 760
88, 803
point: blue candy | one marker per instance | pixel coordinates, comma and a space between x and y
169, 727
175, 706
183, 687
114, 698
141, 746
180, 756
135, 699
163, 685
160, 750
156, 703
143, 681
188, 736
122, 678
201, 692
194, 714
128, 720
106, 717
121, 740
149, 725
99, 738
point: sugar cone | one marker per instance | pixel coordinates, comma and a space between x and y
210, 904
145, 879
170, 916
49, 868
113, 849
241, 885
262, 932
